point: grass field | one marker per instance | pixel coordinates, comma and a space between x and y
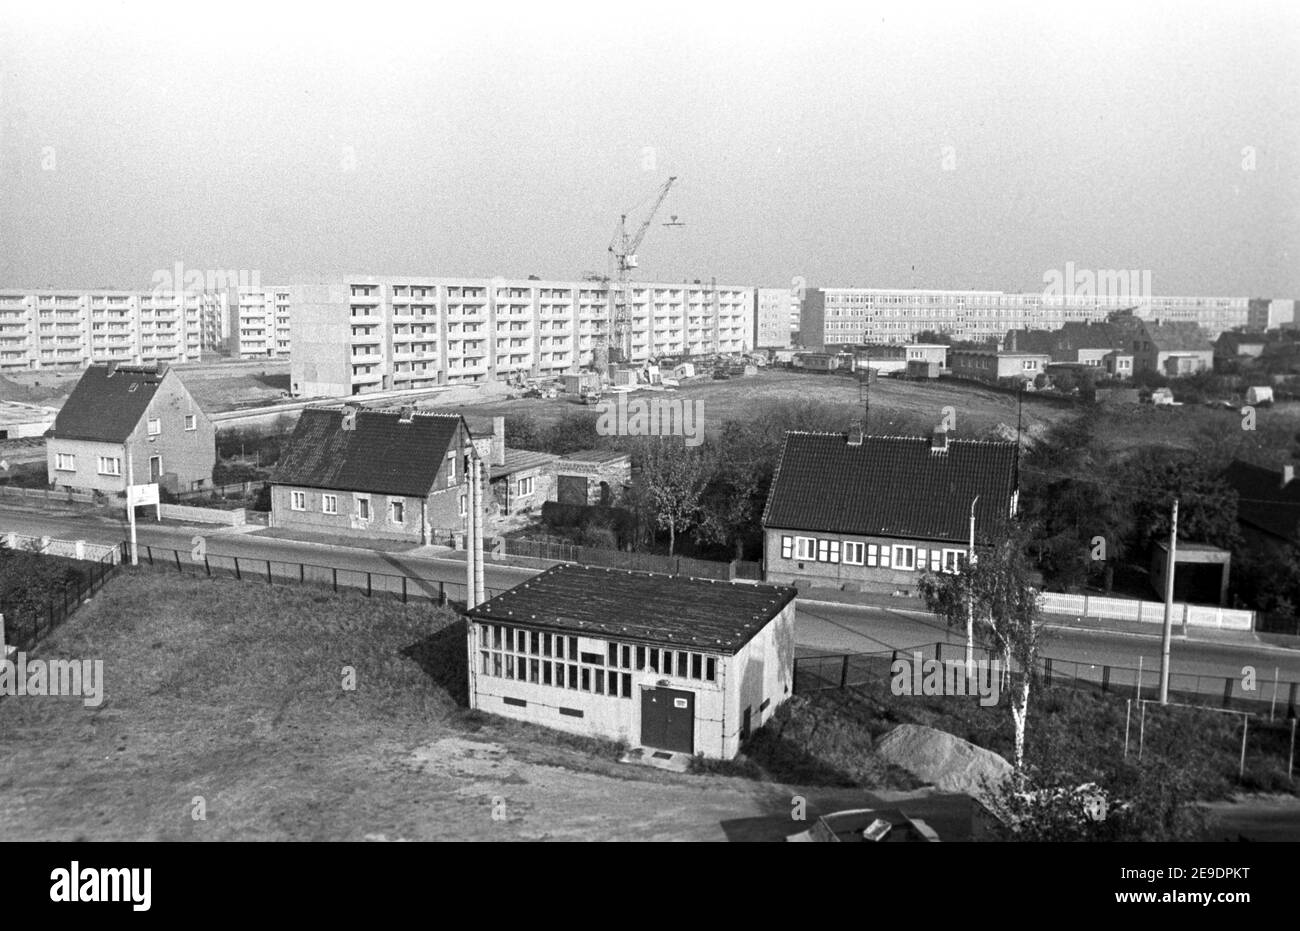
232, 692
895, 404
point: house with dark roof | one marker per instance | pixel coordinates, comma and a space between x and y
391, 474
1177, 348
1268, 503
1087, 343
141, 416
873, 513
669, 664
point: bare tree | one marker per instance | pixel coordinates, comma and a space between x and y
997, 595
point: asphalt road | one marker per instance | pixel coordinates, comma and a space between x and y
821, 628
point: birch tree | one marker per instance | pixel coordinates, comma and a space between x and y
997, 596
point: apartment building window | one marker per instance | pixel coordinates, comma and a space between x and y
65, 462
110, 465
904, 557
524, 486
363, 508
805, 548
397, 512
853, 553
329, 504
191, 422
154, 426
298, 500
953, 560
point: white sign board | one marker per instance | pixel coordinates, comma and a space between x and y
139, 495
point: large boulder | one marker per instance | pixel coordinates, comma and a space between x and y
946, 762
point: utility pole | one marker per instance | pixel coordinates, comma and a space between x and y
1170, 563
130, 505
480, 595
470, 532
970, 600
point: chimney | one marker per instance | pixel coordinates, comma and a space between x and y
112, 368
939, 440
498, 441
1288, 474
407, 414
855, 434
161, 369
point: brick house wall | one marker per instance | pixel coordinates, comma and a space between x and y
185, 457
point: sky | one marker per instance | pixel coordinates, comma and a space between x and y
885, 145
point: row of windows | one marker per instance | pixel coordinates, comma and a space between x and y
329, 504
873, 555
528, 644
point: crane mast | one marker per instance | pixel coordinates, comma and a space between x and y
623, 250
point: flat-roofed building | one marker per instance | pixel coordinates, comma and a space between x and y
357, 334
667, 663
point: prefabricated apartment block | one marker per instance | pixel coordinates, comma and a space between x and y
71, 329
356, 334
662, 662
850, 316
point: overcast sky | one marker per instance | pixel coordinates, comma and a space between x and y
891, 146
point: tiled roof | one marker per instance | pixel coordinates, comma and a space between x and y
689, 613
1029, 341
1263, 502
893, 486
107, 403
519, 459
381, 455
1089, 336
1177, 337
595, 455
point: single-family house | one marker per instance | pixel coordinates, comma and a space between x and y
1174, 349
873, 513
1087, 343
666, 663
143, 415
991, 366
391, 474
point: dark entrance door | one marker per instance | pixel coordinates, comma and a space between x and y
668, 719
571, 489
155, 468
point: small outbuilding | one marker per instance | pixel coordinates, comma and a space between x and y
667, 663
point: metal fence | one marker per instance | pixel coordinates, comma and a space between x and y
621, 559
404, 588
24, 627
1271, 695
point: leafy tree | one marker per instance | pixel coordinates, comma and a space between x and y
673, 478
1207, 506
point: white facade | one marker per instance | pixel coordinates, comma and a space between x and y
259, 323
70, 329
356, 334
514, 670
776, 317
840, 316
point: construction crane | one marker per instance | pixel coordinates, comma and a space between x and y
623, 250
